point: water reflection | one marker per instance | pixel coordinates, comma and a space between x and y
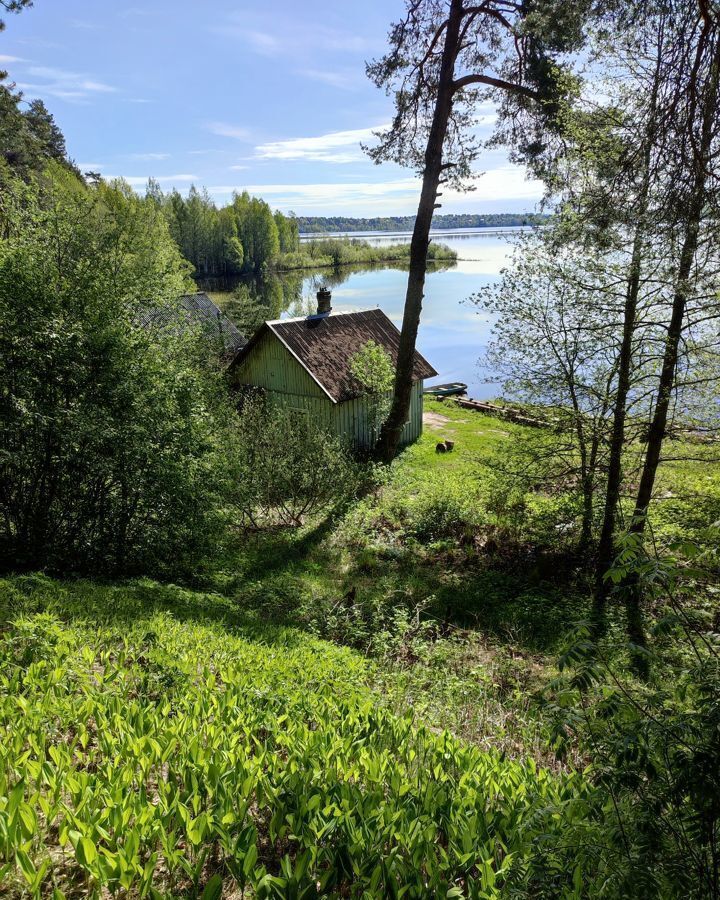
452, 335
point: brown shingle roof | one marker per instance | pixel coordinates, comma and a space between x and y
325, 345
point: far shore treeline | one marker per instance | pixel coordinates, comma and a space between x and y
329, 224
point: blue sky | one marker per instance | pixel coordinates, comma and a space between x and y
268, 96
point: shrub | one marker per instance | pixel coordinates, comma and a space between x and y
439, 516
107, 447
372, 368
284, 467
655, 746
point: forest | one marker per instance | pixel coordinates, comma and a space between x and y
239, 658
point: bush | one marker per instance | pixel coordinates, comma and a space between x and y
107, 430
655, 746
335, 252
439, 516
284, 467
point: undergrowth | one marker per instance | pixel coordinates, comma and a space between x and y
156, 744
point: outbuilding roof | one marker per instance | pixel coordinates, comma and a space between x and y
325, 344
198, 309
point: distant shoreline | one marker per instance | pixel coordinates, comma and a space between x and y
313, 225
436, 233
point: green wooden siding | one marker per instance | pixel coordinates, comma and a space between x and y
271, 366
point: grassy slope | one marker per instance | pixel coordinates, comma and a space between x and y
155, 734
155, 742
398, 569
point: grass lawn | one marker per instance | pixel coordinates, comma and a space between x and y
401, 576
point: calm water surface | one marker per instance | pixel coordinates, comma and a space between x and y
453, 333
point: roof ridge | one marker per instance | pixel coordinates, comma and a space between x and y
334, 315
323, 346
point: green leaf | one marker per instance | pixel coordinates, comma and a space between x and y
86, 851
26, 866
213, 889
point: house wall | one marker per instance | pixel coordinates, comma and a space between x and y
271, 366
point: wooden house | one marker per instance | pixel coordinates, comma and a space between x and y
305, 364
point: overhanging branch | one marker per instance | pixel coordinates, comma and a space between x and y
500, 83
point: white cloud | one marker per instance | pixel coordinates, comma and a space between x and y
262, 42
148, 156
233, 131
4, 58
141, 180
291, 38
97, 86
238, 168
71, 86
335, 147
346, 80
506, 183
84, 25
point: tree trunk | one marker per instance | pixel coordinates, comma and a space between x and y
658, 425
391, 432
606, 545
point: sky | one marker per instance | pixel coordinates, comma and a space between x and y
269, 97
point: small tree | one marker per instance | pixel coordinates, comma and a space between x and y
372, 368
107, 431
283, 468
654, 747
553, 345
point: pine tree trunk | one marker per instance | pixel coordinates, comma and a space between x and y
391, 433
606, 545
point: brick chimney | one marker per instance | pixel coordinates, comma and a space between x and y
324, 296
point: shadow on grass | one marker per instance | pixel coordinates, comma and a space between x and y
272, 553
289, 579
126, 604
296, 580
516, 607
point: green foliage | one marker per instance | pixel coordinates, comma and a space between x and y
284, 467
438, 516
325, 224
243, 237
654, 746
372, 368
107, 448
153, 745
334, 252
245, 310
29, 137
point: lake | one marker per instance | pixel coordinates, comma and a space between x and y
453, 333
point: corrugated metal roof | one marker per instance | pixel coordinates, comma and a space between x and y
324, 346
198, 309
